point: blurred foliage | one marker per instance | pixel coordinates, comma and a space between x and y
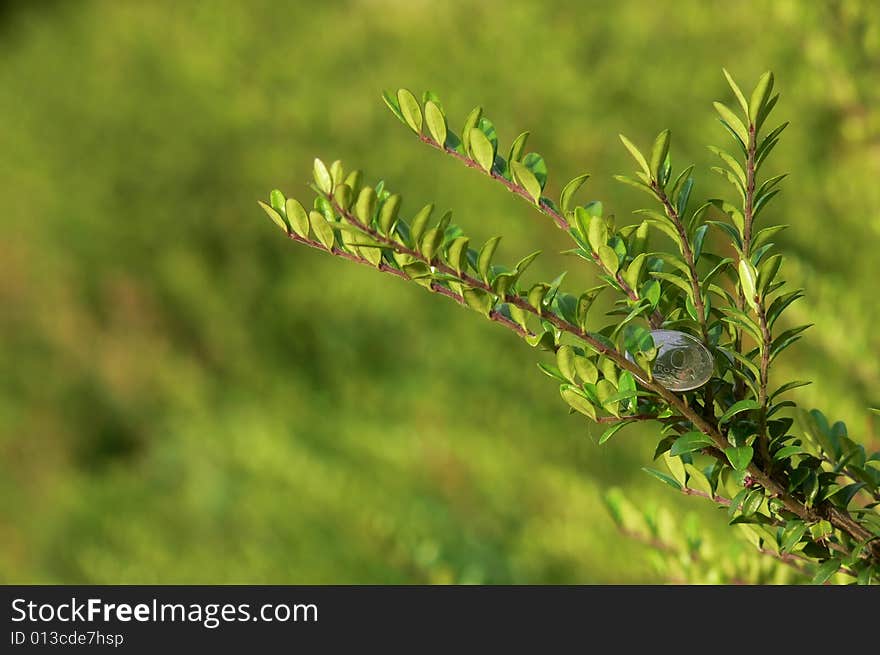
185, 397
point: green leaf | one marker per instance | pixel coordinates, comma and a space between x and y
470, 122
482, 149
737, 408
366, 205
577, 400
586, 369
637, 339
609, 259
736, 91
734, 123
276, 200
690, 442
410, 109
479, 300
484, 259
637, 184
760, 95
633, 273
526, 261
457, 254
527, 180
787, 452
792, 535
516, 149
535, 163
658, 154
431, 243
420, 223
436, 122
322, 229
565, 359
298, 218
597, 233
663, 477
388, 214
826, 570
748, 280
322, 177
676, 467
393, 105
570, 189
698, 480
740, 457
614, 429
636, 154
274, 215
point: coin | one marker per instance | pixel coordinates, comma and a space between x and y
682, 363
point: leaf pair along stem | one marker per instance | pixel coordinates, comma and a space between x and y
656, 318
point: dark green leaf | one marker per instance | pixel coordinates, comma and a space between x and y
739, 457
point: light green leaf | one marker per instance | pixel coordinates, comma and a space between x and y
274, 215
748, 279
484, 259
322, 229
577, 400
299, 219
365, 205
636, 154
436, 122
736, 91
732, 121
457, 254
597, 233
675, 466
409, 107
516, 149
565, 360
420, 223
470, 122
482, 149
658, 153
633, 273
479, 300
322, 177
527, 180
570, 189
431, 243
698, 480
586, 369
614, 429
609, 259
388, 214
760, 95
393, 105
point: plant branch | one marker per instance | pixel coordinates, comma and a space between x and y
561, 222
688, 255
494, 315
707, 426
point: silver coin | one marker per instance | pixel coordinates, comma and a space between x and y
683, 362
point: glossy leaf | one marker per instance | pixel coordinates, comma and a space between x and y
410, 109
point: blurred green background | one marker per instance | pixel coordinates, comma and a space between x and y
187, 397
